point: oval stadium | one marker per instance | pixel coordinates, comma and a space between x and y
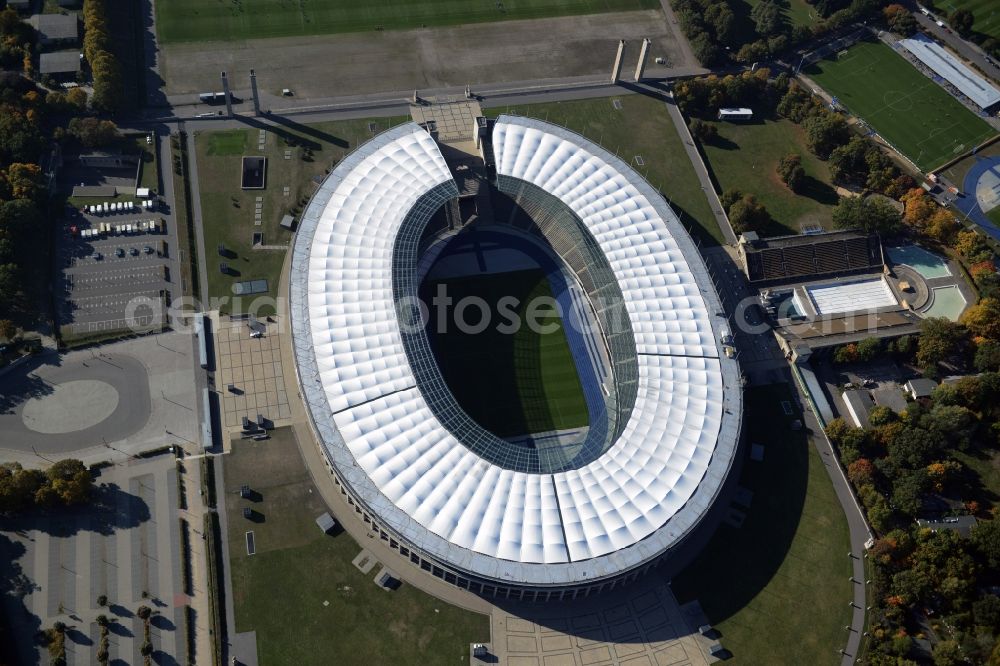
515, 463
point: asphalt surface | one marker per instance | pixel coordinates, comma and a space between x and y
967, 50
37, 378
759, 352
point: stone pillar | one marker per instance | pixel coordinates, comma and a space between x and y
253, 89
643, 56
616, 72
225, 91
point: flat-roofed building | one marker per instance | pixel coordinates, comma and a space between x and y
56, 29
802, 256
982, 93
59, 64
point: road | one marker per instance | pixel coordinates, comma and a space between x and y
762, 362
966, 50
700, 169
761, 351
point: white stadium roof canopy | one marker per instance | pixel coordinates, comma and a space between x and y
641, 497
952, 70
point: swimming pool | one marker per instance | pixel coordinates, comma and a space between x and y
948, 303
926, 263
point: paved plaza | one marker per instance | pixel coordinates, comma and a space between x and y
639, 625
253, 366
424, 58
124, 545
102, 403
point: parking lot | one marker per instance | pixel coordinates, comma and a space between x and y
113, 279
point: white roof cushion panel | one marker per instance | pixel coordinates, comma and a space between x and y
669, 316
624, 496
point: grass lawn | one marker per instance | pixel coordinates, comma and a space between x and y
280, 591
985, 12
642, 127
796, 12
911, 111
148, 172
228, 211
745, 157
985, 465
194, 20
510, 383
775, 588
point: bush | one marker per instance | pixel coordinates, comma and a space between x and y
791, 172
704, 132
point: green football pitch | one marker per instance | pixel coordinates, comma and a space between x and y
912, 112
510, 383
197, 20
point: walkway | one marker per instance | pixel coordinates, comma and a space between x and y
195, 203
701, 170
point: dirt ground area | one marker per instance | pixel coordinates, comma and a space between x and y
428, 58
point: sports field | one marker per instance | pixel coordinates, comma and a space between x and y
510, 383
909, 110
196, 20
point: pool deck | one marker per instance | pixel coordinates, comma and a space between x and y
817, 330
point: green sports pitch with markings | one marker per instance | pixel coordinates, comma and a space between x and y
909, 110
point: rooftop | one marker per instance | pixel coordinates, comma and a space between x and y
424, 476
56, 27
60, 62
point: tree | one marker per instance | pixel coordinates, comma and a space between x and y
70, 481
983, 319
767, 18
791, 172
880, 416
93, 133
987, 357
847, 163
900, 20
748, 214
143, 612
985, 537
705, 50
947, 653
25, 181
869, 348
77, 97
703, 131
102, 600
106, 70
961, 21
908, 491
986, 610
825, 132
868, 214
7, 329
20, 139
940, 340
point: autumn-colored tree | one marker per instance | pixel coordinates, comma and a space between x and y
942, 226
919, 208
77, 97
861, 472
7, 329
25, 181
983, 319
